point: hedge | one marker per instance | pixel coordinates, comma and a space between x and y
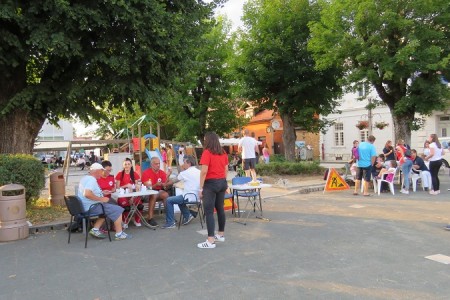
289, 168
25, 170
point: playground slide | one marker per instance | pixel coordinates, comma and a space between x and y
155, 153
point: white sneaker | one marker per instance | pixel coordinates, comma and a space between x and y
122, 236
433, 193
219, 238
403, 191
137, 224
206, 245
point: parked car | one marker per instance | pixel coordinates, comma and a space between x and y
445, 142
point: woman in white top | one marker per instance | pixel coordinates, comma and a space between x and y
181, 156
435, 159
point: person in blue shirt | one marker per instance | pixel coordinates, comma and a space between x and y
367, 156
89, 192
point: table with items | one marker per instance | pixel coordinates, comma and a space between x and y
133, 205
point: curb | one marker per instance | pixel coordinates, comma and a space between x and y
305, 189
36, 229
312, 188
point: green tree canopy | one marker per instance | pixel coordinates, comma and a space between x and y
203, 98
64, 58
400, 47
276, 69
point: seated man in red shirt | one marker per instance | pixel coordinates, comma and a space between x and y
156, 179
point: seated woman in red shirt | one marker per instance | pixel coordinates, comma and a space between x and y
127, 178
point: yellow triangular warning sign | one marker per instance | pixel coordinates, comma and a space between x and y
335, 182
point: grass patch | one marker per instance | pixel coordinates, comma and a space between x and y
41, 212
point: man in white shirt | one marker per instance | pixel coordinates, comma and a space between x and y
248, 146
191, 177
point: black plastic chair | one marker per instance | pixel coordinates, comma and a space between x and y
197, 204
77, 210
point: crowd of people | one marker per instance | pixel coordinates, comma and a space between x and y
207, 183
367, 164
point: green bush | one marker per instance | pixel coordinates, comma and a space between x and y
277, 158
289, 168
25, 170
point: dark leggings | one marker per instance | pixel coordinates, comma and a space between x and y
213, 197
434, 171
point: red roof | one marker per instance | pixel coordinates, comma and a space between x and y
265, 115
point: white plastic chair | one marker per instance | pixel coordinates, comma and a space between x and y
390, 182
414, 177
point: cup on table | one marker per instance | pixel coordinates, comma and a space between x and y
143, 188
121, 191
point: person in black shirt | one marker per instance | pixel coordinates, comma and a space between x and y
378, 165
388, 151
419, 167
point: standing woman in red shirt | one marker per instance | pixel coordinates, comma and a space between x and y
213, 184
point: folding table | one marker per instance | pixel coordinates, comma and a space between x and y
133, 206
251, 192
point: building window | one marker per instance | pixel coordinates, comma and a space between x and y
444, 132
339, 134
361, 91
364, 134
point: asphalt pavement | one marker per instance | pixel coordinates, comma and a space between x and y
317, 245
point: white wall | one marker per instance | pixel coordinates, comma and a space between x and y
51, 132
354, 111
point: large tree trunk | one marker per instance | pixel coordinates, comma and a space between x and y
288, 136
401, 128
18, 131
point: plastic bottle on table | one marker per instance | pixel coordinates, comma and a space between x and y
149, 184
138, 185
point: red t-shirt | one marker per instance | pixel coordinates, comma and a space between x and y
106, 183
216, 164
126, 178
155, 177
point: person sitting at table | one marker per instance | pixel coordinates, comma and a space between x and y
127, 179
378, 165
419, 165
156, 179
191, 177
89, 193
106, 181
